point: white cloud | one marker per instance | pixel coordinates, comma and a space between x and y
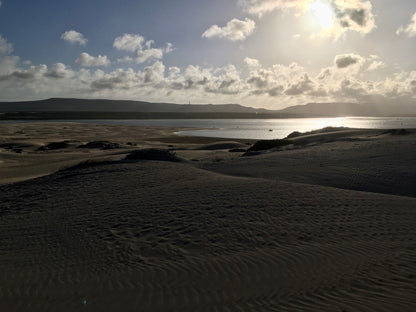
129, 42
410, 29
260, 7
33, 73
169, 47
251, 63
89, 61
346, 79
376, 65
154, 73
5, 47
74, 37
234, 30
59, 70
174, 71
8, 64
137, 43
145, 55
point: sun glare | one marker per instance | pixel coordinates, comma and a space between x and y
323, 12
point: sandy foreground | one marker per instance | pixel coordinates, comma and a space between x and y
325, 224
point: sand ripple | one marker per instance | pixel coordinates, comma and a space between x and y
159, 236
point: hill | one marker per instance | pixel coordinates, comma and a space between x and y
99, 105
67, 108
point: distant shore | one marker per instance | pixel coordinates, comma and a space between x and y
122, 217
157, 115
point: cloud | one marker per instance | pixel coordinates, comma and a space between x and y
116, 80
300, 86
154, 73
0, 4
144, 51
129, 42
59, 70
346, 78
251, 63
376, 65
74, 37
346, 60
410, 29
260, 7
87, 60
145, 55
8, 64
234, 30
31, 74
169, 47
355, 15
5, 47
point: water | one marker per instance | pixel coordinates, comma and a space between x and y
259, 128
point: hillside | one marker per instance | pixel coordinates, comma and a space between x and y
65, 108
98, 105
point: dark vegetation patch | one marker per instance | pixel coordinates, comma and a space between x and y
220, 146
153, 154
323, 130
397, 132
15, 147
237, 150
100, 145
54, 146
269, 144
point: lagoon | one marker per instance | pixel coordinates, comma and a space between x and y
258, 129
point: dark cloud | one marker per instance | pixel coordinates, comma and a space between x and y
23, 75
258, 81
303, 85
345, 60
276, 91
413, 86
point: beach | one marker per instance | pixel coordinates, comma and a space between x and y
135, 218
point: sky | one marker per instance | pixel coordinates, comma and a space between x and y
259, 53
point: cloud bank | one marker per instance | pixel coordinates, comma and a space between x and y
273, 86
74, 37
234, 30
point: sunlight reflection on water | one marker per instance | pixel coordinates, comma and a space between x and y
280, 128
258, 128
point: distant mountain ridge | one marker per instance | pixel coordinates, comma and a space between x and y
97, 105
352, 109
61, 105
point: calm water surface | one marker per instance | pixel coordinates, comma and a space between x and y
260, 128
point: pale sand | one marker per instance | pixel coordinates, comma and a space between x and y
328, 224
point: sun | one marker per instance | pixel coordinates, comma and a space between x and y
323, 13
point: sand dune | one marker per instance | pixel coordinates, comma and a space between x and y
271, 232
